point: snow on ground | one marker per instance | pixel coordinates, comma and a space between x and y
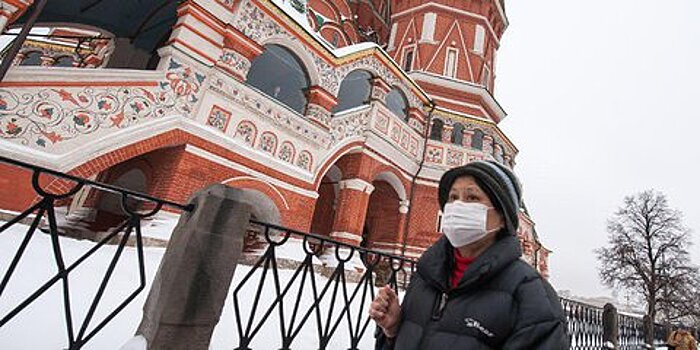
42, 324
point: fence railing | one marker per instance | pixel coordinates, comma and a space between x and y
42, 216
325, 299
589, 328
303, 290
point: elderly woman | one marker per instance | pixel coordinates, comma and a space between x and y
471, 290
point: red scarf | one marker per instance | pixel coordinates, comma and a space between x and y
461, 265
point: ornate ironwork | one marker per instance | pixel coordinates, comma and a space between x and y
631, 332
584, 325
43, 211
303, 300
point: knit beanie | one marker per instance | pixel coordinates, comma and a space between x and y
498, 182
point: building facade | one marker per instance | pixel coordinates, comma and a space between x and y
336, 116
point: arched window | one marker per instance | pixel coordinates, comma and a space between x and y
279, 73
65, 61
32, 59
478, 139
354, 90
498, 153
397, 103
458, 134
436, 130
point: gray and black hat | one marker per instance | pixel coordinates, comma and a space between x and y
499, 183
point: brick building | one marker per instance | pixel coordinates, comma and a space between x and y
337, 117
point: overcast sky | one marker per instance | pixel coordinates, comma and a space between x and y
602, 98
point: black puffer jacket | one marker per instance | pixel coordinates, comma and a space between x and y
501, 302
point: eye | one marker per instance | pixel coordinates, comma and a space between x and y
453, 197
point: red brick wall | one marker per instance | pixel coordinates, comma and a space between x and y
383, 214
324, 213
423, 217
16, 191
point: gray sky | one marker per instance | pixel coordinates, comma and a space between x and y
602, 100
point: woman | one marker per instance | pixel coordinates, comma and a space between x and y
681, 340
471, 290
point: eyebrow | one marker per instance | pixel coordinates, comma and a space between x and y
469, 190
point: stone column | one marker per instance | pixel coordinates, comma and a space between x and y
467, 137
319, 107
498, 152
238, 53
379, 89
353, 199
18, 59
447, 133
403, 216
47, 61
416, 119
507, 159
488, 145
193, 280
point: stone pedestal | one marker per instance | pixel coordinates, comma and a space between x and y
193, 280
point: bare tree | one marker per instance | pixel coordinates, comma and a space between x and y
647, 255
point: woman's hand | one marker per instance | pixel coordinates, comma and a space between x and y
386, 311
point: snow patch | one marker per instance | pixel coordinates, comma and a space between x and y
136, 343
46, 313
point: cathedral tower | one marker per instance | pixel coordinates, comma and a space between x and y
449, 47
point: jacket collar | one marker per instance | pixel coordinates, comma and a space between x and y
436, 264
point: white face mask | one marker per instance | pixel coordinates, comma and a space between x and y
464, 223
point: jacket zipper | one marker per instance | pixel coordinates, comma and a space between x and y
441, 306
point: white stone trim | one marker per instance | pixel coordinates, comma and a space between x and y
402, 162
346, 235
455, 66
394, 181
357, 185
428, 183
392, 37
403, 206
479, 39
427, 34
502, 12
412, 48
242, 168
465, 104
252, 178
463, 86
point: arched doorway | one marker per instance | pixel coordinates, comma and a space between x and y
108, 206
384, 218
263, 209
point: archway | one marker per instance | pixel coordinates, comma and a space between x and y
280, 74
263, 209
108, 206
384, 218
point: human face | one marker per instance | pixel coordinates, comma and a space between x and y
466, 190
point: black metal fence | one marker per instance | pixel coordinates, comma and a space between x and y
42, 214
339, 300
286, 293
587, 326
